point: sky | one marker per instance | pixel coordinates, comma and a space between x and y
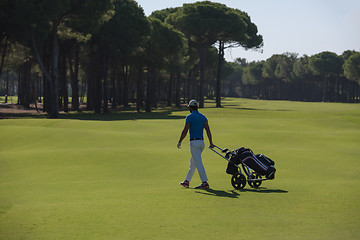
306, 27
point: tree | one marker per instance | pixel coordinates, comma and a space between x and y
352, 67
74, 74
278, 70
197, 22
352, 72
33, 18
175, 59
163, 44
326, 65
235, 29
271, 81
7, 9
116, 43
163, 14
253, 76
174, 62
205, 23
284, 72
303, 76
233, 86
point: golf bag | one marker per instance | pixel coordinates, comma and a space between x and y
261, 164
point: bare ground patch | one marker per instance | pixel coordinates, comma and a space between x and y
10, 110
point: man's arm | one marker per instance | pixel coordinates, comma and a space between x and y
208, 132
183, 133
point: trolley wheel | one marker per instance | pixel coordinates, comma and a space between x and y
238, 181
257, 183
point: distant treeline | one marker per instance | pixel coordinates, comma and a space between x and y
109, 54
323, 77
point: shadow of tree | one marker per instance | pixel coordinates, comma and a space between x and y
122, 115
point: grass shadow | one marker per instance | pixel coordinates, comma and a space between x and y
260, 109
219, 193
238, 107
23, 116
118, 114
122, 115
263, 190
236, 194
128, 113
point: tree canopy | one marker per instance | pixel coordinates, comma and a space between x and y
204, 23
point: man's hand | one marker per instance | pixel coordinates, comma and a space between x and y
179, 145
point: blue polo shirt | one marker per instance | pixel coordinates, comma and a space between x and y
197, 123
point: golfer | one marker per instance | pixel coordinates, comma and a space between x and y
195, 123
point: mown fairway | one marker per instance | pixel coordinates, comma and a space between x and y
117, 176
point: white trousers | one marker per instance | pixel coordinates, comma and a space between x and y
196, 148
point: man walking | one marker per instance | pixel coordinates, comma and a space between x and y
195, 123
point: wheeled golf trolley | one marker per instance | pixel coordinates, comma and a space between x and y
244, 157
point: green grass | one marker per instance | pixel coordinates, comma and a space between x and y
11, 99
116, 177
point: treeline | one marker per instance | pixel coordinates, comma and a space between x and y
323, 77
109, 54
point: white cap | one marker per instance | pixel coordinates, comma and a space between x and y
193, 103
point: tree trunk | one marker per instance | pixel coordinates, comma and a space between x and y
74, 72
119, 88
106, 85
139, 89
63, 81
279, 88
3, 54
155, 90
54, 106
24, 86
148, 90
33, 93
7, 86
49, 88
219, 72
91, 83
177, 89
45, 80
324, 89
203, 54
113, 87
170, 88
125, 75
19, 84
98, 86
52, 79
188, 87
